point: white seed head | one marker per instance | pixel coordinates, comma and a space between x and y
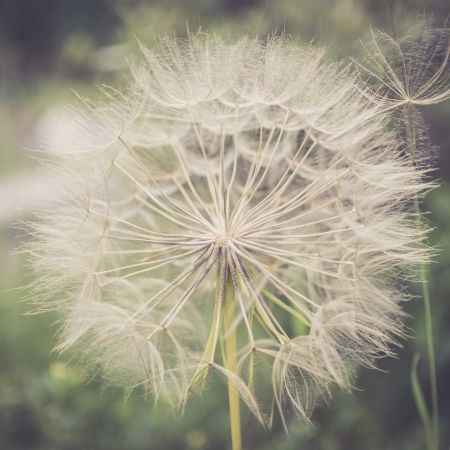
244, 165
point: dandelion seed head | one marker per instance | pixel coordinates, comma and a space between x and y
247, 165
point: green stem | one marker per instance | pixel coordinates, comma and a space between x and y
287, 308
231, 363
430, 346
409, 131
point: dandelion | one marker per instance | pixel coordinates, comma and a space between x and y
238, 209
412, 69
409, 73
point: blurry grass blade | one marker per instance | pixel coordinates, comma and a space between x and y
420, 403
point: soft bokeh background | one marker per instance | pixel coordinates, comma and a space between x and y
50, 47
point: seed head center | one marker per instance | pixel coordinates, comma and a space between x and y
223, 239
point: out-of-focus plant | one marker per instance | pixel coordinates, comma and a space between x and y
403, 75
254, 160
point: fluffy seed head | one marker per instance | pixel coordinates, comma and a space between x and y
244, 170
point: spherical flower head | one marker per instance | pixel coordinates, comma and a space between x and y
242, 189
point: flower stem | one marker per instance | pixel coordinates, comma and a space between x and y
231, 363
430, 346
434, 445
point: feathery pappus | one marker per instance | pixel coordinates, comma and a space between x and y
239, 208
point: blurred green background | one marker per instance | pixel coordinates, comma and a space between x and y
48, 48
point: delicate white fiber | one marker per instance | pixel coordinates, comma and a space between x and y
249, 164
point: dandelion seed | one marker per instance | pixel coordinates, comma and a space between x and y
412, 69
406, 74
235, 189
